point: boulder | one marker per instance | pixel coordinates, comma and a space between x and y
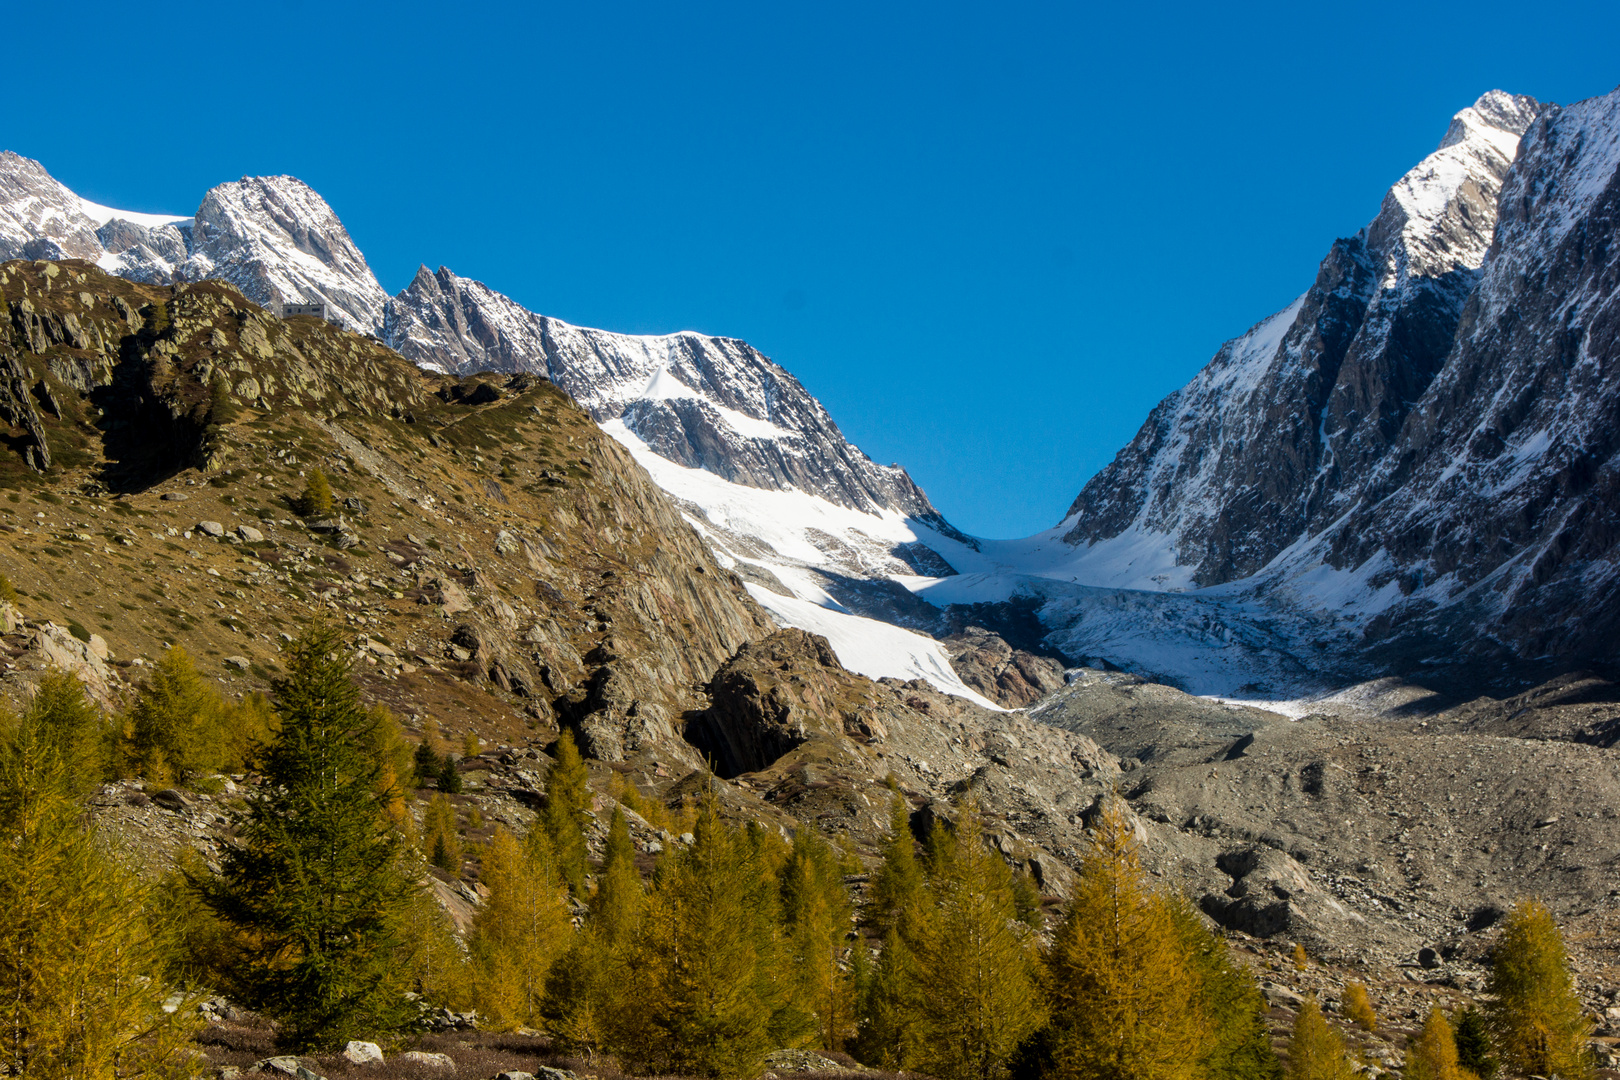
240, 663
362, 1053
174, 496
211, 528
249, 534
170, 799
1272, 894
427, 1060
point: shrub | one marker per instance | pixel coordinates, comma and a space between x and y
316, 500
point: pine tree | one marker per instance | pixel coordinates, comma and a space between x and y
705, 992
316, 500
449, 778
890, 1003
1474, 1050
77, 950
897, 906
1237, 1043
316, 876
1433, 1054
440, 841
897, 888
977, 969
1536, 1016
816, 918
568, 796
72, 727
425, 761
579, 989
616, 904
1358, 1007
520, 931
174, 725
1316, 1052
1125, 997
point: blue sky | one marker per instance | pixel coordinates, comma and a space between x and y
989, 238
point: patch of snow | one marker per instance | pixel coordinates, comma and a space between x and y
871, 648
103, 214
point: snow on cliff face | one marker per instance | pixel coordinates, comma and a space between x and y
704, 402
1271, 440
278, 241
1493, 524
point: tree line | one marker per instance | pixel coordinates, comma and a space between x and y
740, 941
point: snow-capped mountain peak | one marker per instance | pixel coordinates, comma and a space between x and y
277, 240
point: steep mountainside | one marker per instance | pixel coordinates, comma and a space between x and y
1496, 515
1271, 439
703, 402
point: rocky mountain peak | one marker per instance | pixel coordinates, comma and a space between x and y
1270, 441
277, 240
39, 217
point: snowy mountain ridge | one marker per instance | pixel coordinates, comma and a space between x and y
686, 403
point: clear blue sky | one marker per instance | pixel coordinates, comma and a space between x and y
988, 238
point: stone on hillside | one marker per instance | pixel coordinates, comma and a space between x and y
506, 543
58, 648
431, 1061
211, 528
362, 1053
249, 533
240, 663
174, 496
801, 1061
170, 799
326, 525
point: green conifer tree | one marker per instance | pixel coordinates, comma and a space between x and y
1125, 994
705, 994
580, 988
1237, 1042
1316, 1052
1474, 1050
568, 796
449, 778
897, 888
316, 877
977, 988
1535, 1014
72, 726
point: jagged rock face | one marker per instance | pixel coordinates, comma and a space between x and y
39, 218
1498, 510
1008, 676
703, 402
142, 253
279, 242
1271, 440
